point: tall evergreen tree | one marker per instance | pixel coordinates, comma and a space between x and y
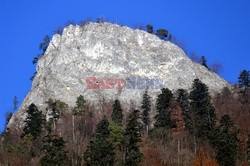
54, 112
224, 139
201, 107
183, 100
79, 110
162, 118
117, 114
117, 138
33, 122
116, 134
100, 151
54, 149
132, 136
80, 106
146, 106
244, 79
55, 108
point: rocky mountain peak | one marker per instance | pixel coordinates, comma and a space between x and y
88, 60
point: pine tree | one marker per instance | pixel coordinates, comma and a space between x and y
162, 33
43, 46
100, 151
201, 107
79, 110
117, 114
146, 106
162, 118
54, 149
80, 106
132, 138
150, 28
244, 79
55, 108
33, 122
224, 139
204, 61
54, 114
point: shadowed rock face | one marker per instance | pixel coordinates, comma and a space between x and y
105, 50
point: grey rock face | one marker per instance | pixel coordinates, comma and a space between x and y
105, 50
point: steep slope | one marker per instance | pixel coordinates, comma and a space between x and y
105, 50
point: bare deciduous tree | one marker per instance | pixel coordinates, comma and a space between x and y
216, 67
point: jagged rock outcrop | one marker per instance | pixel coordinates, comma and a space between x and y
105, 50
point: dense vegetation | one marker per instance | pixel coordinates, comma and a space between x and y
189, 128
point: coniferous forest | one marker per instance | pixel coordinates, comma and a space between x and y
189, 128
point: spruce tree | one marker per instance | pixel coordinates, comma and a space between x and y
117, 114
33, 122
201, 107
132, 138
146, 106
225, 140
244, 79
183, 100
54, 150
162, 118
117, 138
116, 134
100, 151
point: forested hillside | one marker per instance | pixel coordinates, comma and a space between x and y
188, 129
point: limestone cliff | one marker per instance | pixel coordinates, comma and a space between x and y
105, 50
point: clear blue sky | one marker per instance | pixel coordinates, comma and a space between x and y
218, 29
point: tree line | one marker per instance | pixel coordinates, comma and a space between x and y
120, 139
